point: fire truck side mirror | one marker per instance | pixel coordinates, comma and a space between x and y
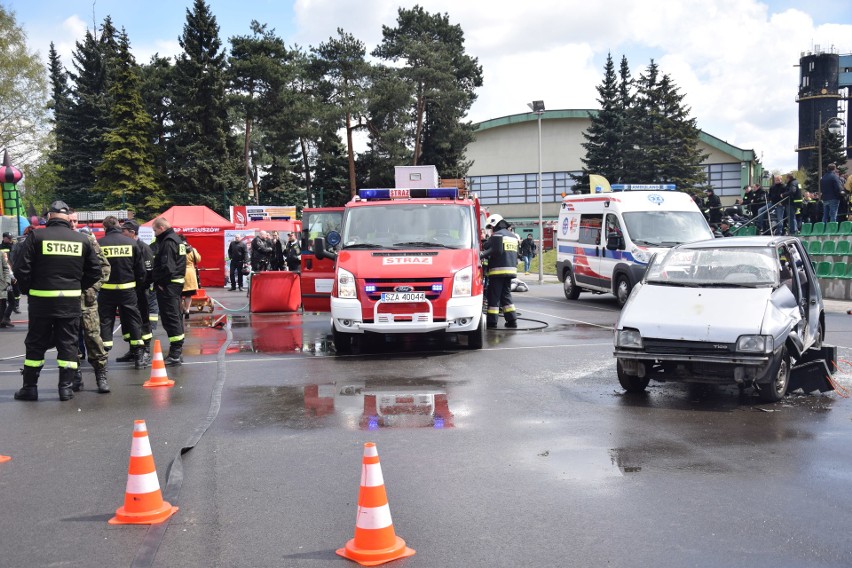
320, 250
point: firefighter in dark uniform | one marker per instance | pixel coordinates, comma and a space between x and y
53, 267
130, 229
501, 251
119, 292
168, 277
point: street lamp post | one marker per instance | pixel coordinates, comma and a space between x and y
538, 108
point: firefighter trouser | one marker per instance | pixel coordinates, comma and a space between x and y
171, 314
128, 312
91, 344
142, 302
500, 295
47, 332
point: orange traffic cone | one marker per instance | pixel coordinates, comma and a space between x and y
375, 541
143, 501
159, 377
5, 458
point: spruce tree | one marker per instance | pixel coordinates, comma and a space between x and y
204, 168
126, 177
833, 152
62, 156
602, 143
625, 103
681, 155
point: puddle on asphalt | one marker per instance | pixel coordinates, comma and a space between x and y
370, 405
582, 464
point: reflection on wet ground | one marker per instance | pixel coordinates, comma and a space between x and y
365, 405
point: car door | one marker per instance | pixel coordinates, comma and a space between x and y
810, 294
792, 276
318, 273
587, 255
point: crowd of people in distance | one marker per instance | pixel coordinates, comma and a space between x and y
267, 252
783, 207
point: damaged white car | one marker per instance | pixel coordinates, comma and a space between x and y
740, 310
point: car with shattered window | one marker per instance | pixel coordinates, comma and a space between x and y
743, 311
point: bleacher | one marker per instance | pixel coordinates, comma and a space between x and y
830, 248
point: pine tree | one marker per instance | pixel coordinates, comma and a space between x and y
833, 152
602, 144
126, 176
682, 157
155, 89
330, 181
389, 119
625, 103
62, 106
202, 154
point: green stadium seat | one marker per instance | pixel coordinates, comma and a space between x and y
806, 229
846, 228
814, 248
823, 270
832, 228
848, 275
828, 248
838, 270
751, 230
842, 248
819, 229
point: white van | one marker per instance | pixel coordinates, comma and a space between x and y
605, 240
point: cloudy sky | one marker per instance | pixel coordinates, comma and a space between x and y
736, 60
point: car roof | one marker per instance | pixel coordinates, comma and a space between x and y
739, 242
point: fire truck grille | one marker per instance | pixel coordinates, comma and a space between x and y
427, 285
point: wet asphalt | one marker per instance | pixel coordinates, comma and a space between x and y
526, 453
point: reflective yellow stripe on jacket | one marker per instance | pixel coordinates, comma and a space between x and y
56, 293
125, 286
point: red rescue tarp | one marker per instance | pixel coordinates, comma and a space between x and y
205, 230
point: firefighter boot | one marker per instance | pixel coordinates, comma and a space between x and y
140, 358
30, 389
66, 379
77, 383
128, 357
174, 359
101, 378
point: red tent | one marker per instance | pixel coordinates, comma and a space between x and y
205, 230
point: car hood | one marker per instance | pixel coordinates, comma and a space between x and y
405, 264
705, 314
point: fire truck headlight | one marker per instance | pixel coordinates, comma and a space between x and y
463, 282
345, 284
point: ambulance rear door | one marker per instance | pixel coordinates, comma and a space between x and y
318, 273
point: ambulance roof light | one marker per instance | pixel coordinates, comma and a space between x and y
643, 187
408, 193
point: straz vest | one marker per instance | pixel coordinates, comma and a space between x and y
125, 260
502, 251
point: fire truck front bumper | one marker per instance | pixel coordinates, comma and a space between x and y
463, 314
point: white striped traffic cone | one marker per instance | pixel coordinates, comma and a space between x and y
159, 377
375, 541
143, 501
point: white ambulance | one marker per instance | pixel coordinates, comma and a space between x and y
605, 240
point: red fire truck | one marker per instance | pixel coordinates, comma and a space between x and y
407, 262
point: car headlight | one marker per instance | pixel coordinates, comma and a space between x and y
641, 255
755, 343
628, 339
345, 284
463, 282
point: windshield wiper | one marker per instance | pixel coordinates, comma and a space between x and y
647, 243
364, 246
421, 244
674, 283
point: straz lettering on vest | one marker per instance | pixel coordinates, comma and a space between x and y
117, 250
510, 244
396, 260
63, 248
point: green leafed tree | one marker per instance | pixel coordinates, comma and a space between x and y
204, 166
126, 176
23, 94
444, 79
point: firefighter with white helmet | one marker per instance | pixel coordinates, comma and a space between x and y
501, 250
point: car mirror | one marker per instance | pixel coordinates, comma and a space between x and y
614, 241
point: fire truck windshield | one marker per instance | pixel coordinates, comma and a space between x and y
409, 225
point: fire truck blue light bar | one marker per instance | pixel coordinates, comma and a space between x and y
405, 193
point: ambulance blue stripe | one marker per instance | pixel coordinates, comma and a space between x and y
590, 253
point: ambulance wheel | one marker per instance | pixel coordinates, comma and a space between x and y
342, 341
630, 383
622, 289
569, 286
476, 338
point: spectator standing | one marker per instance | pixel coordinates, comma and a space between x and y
261, 252
53, 267
13, 293
714, 206
831, 189
776, 208
237, 253
277, 260
293, 254
5, 284
190, 283
793, 195
527, 252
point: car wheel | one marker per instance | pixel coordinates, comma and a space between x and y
569, 286
342, 341
476, 338
622, 289
630, 383
777, 387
